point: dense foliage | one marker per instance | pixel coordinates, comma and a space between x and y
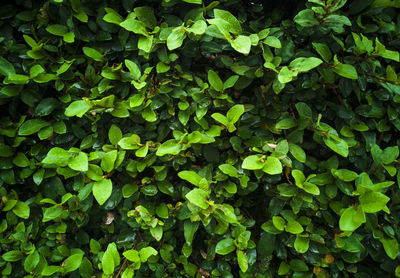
190, 138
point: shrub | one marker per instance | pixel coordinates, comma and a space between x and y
190, 138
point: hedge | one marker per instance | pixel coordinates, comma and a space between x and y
190, 138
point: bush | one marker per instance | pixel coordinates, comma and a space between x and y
190, 138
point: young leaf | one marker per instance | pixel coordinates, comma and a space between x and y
102, 190
77, 108
93, 53
171, 146
305, 64
372, 202
242, 44
272, 166
242, 260
234, 113
351, 219
133, 69
79, 163
198, 197
293, 227
301, 244
215, 81
225, 246
175, 39
191, 177
253, 162
146, 252
220, 118
230, 82
31, 126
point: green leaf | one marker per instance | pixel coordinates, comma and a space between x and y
306, 18
175, 39
293, 227
345, 70
372, 202
220, 118
93, 53
171, 146
198, 28
299, 177
146, 252
134, 26
389, 154
351, 219
305, 64
311, 188
146, 15
79, 162
21, 160
279, 222
6, 68
31, 261
229, 170
107, 263
142, 151
215, 81
286, 123
253, 162
199, 2
77, 108
191, 177
272, 166
231, 22
12, 256
344, 174
298, 265
133, 69
69, 37
52, 213
102, 190
113, 251
31, 126
338, 145
149, 115
21, 210
242, 44
108, 161
72, 263
50, 270
273, 42
130, 143
136, 100
242, 260
297, 152
132, 255
301, 244
57, 29
46, 106
225, 246
198, 197
114, 134
18, 79
112, 16
230, 82
145, 43
189, 230
391, 247
234, 113
323, 50
57, 156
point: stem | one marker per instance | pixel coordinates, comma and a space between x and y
120, 269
